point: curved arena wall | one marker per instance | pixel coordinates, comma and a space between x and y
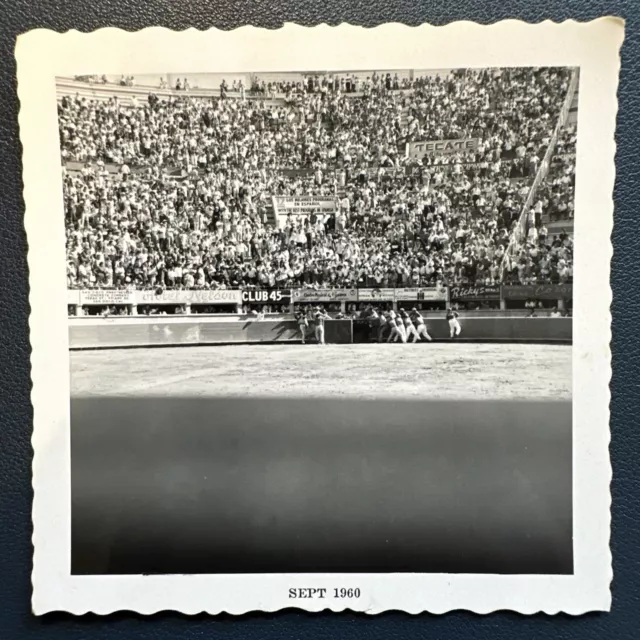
96, 333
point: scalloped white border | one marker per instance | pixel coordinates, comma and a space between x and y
593, 46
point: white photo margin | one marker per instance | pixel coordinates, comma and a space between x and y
593, 47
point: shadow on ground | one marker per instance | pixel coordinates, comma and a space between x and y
235, 485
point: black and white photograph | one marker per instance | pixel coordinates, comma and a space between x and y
320, 321
373, 275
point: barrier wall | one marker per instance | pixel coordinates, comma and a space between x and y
528, 329
167, 331
94, 333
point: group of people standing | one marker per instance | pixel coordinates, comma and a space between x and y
314, 317
385, 325
406, 326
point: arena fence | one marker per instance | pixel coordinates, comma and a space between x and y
156, 331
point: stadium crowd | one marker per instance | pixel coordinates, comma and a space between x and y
557, 190
540, 258
176, 192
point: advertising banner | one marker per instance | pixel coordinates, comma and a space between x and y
302, 206
367, 295
422, 293
464, 292
106, 296
538, 292
305, 204
188, 296
441, 147
73, 296
324, 295
282, 296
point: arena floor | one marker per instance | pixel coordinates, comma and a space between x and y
441, 458
423, 371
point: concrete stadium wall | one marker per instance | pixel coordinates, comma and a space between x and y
144, 331
163, 331
95, 333
533, 329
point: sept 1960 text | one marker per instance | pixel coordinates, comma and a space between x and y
299, 593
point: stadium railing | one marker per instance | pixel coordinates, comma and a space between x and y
520, 231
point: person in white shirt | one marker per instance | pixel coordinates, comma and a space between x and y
397, 329
319, 318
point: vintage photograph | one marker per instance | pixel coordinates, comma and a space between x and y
417, 225
320, 322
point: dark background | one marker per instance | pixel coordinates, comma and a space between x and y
16, 621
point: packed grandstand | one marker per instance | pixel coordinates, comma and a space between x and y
464, 178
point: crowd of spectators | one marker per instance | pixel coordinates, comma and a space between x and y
334, 83
176, 192
92, 79
124, 81
558, 189
543, 257
541, 260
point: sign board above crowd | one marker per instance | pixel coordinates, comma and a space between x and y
325, 295
450, 167
422, 293
99, 297
366, 295
106, 296
466, 293
302, 206
458, 293
370, 295
188, 296
266, 296
417, 150
538, 292
305, 204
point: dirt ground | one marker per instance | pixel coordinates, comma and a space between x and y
426, 371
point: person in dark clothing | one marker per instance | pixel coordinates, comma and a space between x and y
454, 326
